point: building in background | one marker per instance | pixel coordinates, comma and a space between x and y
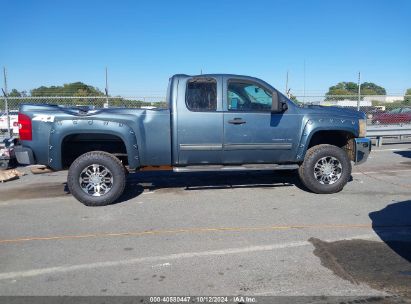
384, 98
366, 101
347, 103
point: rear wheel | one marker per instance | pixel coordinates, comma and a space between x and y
96, 178
326, 169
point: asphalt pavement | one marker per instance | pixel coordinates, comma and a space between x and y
248, 233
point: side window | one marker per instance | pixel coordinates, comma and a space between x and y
243, 96
201, 94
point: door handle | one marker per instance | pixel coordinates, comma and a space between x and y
237, 121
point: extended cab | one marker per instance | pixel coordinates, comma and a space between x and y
213, 122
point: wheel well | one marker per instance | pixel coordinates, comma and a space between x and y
342, 139
77, 144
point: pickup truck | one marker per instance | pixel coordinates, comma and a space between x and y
215, 122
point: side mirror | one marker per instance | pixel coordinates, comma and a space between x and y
278, 106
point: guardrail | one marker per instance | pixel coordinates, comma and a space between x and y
379, 131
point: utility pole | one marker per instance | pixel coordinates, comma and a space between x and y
286, 84
6, 102
106, 104
359, 91
304, 82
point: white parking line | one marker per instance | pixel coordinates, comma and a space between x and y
156, 259
381, 172
392, 149
161, 265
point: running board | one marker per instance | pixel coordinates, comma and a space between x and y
248, 167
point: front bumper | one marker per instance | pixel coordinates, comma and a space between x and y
362, 148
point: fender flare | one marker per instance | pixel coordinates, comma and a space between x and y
62, 128
314, 125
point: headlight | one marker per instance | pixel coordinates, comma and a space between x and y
362, 124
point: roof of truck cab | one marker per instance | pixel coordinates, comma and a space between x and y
218, 75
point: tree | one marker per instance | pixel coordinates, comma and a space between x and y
71, 89
350, 89
83, 94
407, 98
342, 88
369, 88
294, 98
15, 93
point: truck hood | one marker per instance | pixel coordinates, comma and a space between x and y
333, 111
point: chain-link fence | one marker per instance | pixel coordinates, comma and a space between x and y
93, 102
380, 110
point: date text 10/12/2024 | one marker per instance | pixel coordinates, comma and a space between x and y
202, 299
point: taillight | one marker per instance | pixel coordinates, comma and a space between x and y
25, 130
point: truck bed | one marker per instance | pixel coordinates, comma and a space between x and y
145, 132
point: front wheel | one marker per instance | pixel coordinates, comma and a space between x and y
96, 178
326, 169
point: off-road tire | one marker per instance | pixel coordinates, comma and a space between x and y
102, 158
306, 170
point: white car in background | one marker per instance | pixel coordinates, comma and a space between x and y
14, 125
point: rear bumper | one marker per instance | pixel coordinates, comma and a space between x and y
24, 155
362, 150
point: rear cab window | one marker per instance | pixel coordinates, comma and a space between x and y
201, 94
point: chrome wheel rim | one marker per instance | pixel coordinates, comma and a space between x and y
327, 170
96, 180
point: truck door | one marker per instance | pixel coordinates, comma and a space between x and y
200, 121
252, 134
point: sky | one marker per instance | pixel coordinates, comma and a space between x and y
143, 43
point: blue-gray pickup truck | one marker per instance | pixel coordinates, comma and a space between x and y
214, 122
